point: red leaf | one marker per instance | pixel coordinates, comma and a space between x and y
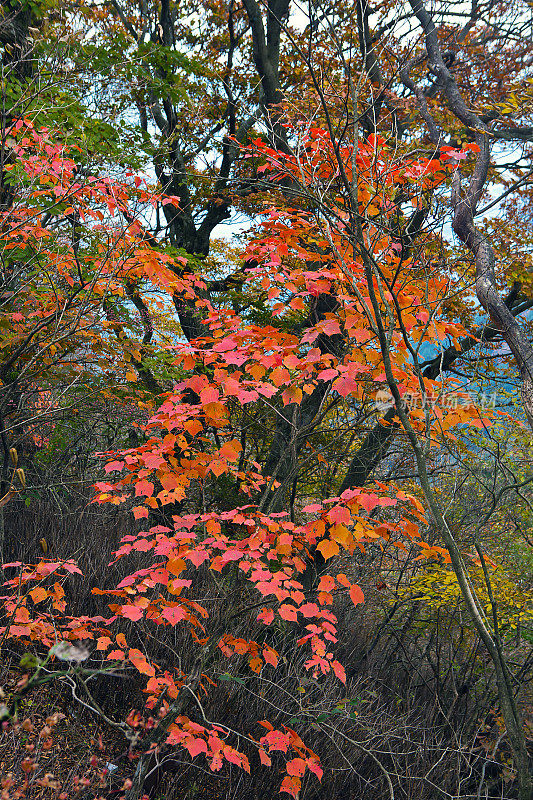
291, 786
312, 508
139, 661
327, 584
309, 609
174, 614
266, 616
328, 374
196, 746
131, 612
114, 466
356, 594
338, 669
139, 512
144, 488
270, 656
331, 327
368, 501
315, 767
231, 555
197, 557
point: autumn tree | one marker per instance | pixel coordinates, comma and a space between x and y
371, 293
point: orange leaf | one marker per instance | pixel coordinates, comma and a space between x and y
217, 467
193, 426
356, 594
176, 565
139, 661
292, 395
39, 594
230, 450
256, 664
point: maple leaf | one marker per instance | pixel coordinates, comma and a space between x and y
314, 766
276, 740
230, 450
326, 583
280, 376
339, 514
142, 545
309, 609
312, 508
144, 487
140, 512
218, 467
343, 580
197, 557
231, 555
345, 385
193, 426
331, 327
255, 664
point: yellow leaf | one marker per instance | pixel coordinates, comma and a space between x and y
342, 535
